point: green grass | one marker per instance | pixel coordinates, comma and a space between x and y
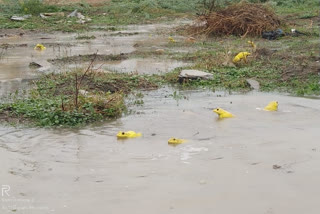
57, 101
288, 64
298, 8
113, 13
124, 12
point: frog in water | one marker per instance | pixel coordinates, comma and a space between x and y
272, 106
128, 134
222, 113
176, 141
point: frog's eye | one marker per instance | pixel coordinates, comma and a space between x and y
217, 109
122, 133
174, 139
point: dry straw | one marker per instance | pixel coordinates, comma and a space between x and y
239, 19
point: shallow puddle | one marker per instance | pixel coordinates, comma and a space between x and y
225, 166
143, 66
17, 51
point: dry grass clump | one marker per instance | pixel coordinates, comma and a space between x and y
239, 19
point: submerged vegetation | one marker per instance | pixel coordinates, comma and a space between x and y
73, 98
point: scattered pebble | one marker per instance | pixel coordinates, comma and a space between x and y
276, 166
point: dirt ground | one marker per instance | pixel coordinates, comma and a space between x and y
92, 2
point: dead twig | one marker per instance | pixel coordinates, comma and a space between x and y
239, 19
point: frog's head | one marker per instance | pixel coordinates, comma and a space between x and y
122, 134
218, 111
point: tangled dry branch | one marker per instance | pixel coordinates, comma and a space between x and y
238, 19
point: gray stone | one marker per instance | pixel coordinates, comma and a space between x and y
20, 18
34, 65
254, 84
195, 74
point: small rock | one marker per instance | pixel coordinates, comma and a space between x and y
276, 166
34, 65
20, 18
160, 51
81, 21
80, 16
194, 74
254, 84
83, 92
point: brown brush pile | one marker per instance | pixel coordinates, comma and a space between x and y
238, 19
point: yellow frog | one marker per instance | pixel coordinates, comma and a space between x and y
272, 106
171, 39
222, 113
176, 141
241, 56
128, 134
252, 44
39, 47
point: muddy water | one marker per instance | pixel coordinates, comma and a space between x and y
226, 166
15, 59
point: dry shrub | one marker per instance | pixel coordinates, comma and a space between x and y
238, 19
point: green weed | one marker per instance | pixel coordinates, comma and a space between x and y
73, 99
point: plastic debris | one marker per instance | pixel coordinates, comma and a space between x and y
272, 35
81, 18
39, 47
73, 14
294, 32
128, 134
272, 106
241, 56
222, 113
20, 18
176, 141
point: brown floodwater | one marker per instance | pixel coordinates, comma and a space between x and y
15, 59
257, 162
